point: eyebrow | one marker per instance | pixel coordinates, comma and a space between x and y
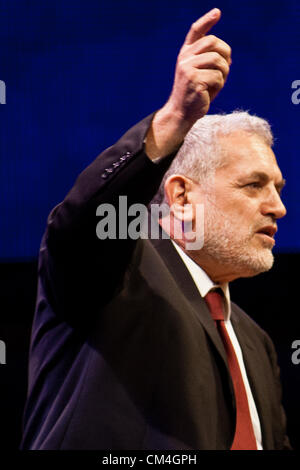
281, 185
264, 177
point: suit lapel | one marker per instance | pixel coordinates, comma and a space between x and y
181, 275
255, 368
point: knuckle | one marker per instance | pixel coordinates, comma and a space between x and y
211, 40
187, 72
200, 88
228, 52
225, 68
218, 78
186, 69
217, 59
183, 66
192, 75
221, 80
194, 27
222, 64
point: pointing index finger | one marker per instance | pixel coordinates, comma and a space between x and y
202, 26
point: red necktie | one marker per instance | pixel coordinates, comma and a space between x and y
244, 438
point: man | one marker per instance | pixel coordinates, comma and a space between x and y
125, 353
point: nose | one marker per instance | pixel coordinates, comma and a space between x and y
273, 206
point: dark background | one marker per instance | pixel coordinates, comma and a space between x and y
78, 74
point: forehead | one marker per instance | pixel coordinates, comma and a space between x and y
245, 153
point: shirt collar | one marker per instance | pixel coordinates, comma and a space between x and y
202, 280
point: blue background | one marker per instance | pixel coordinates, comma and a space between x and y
80, 73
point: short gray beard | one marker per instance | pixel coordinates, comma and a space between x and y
221, 242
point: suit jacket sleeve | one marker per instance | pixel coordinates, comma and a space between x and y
81, 271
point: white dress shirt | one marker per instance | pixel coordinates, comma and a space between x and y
204, 285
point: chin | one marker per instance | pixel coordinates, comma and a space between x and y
259, 264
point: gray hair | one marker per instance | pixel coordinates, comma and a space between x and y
200, 153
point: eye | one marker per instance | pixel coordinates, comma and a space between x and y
254, 184
279, 190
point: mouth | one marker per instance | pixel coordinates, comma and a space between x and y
267, 232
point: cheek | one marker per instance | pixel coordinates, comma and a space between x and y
239, 210
230, 205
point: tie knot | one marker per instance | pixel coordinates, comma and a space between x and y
214, 301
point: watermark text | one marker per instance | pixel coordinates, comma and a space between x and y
2, 352
137, 221
296, 94
2, 92
296, 353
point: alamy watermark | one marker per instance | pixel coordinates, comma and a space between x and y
2, 92
137, 221
2, 352
296, 353
296, 94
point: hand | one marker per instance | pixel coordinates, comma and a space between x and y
201, 71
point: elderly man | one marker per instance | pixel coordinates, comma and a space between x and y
135, 343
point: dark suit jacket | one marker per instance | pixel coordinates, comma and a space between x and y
124, 353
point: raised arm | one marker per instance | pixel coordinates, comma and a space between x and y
81, 269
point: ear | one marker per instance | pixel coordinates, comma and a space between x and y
177, 190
